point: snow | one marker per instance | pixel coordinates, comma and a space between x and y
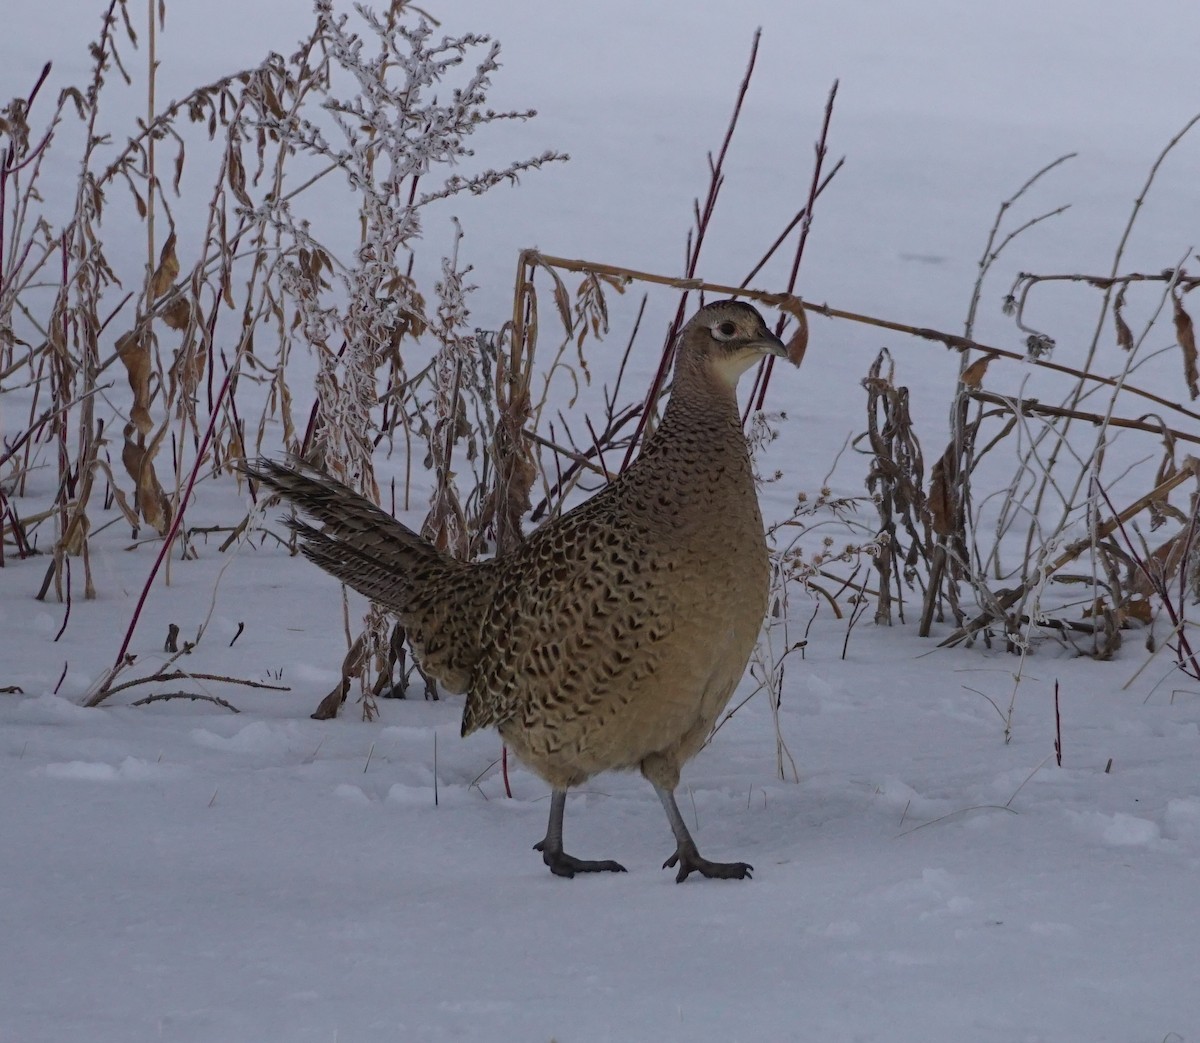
178, 872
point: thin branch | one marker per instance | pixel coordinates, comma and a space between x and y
1006, 600
163, 696
786, 300
183, 675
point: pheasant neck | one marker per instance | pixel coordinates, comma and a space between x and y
702, 414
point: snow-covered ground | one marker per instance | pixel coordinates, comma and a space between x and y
181, 873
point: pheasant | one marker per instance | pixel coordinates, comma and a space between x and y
611, 637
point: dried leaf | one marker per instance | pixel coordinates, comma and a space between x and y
616, 283
178, 313
1039, 345
941, 502
1185, 333
122, 502
1124, 334
271, 100
134, 354
973, 375
562, 300
77, 99
76, 533
797, 344
119, 497
187, 370
1139, 608
1158, 514
167, 271
152, 502
237, 177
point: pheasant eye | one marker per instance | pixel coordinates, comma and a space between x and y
725, 331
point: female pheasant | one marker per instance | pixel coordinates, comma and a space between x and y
614, 635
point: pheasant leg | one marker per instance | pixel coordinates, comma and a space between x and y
560, 863
686, 856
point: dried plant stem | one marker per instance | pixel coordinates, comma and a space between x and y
1009, 598
184, 675
194, 696
957, 464
1185, 655
1120, 251
1184, 282
991, 251
1047, 484
579, 458
786, 300
1032, 407
101, 693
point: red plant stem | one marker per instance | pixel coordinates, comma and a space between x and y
596, 444
311, 430
1057, 727
24, 548
30, 432
67, 615
210, 337
762, 263
238, 425
1157, 584
169, 539
1189, 542
791, 225
59, 394
703, 217
10, 165
504, 771
806, 223
9, 511
34, 432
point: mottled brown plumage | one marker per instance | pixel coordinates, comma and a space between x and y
614, 635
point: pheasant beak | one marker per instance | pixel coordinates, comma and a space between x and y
793, 350
769, 344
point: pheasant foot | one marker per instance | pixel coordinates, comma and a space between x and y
551, 846
689, 861
562, 864
686, 856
